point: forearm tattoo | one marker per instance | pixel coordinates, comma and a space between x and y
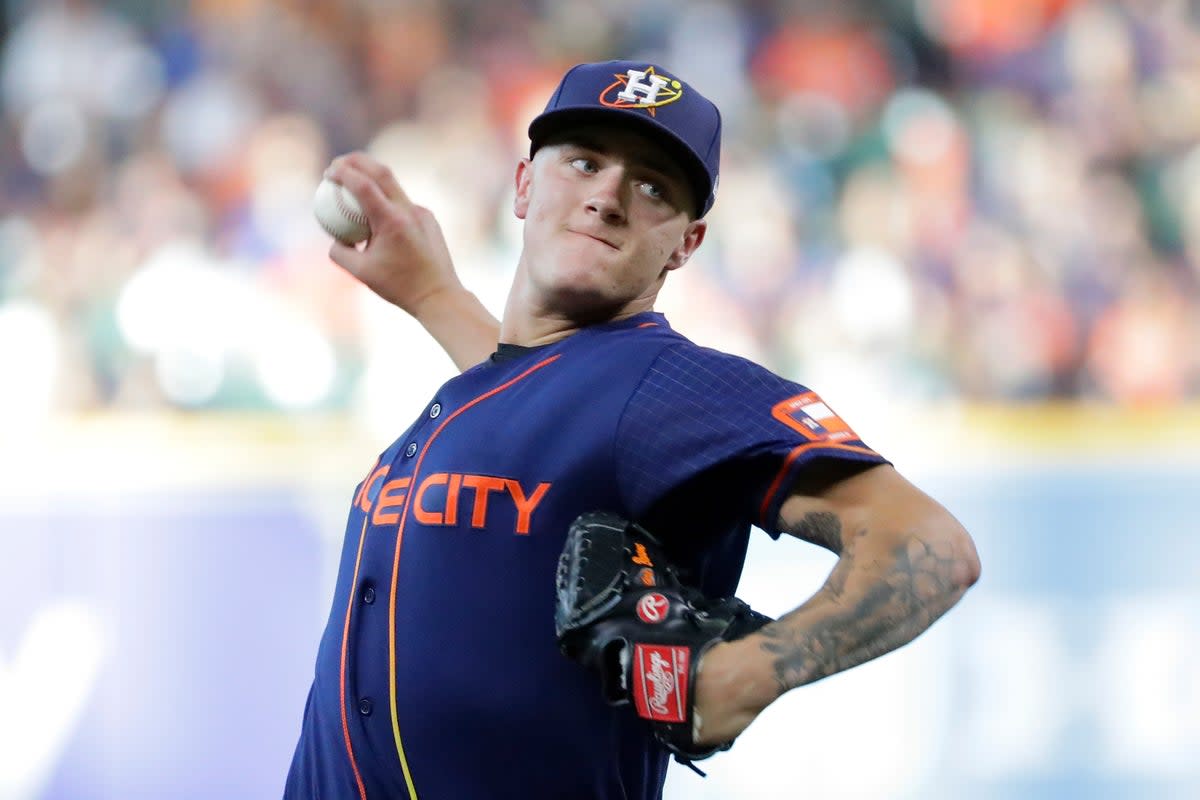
823, 528
889, 610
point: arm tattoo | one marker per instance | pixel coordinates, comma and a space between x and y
823, 528
893, 609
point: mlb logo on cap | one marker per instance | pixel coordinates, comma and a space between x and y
647, 96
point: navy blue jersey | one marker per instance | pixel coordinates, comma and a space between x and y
438, 676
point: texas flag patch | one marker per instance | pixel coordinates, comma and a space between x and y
809, 415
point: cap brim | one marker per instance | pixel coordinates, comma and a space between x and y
548, 124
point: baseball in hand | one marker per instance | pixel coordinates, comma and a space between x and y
340, 214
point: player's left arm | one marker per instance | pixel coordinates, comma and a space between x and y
903, 562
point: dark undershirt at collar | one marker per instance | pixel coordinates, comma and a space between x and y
507, 352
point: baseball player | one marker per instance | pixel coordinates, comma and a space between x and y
512, 556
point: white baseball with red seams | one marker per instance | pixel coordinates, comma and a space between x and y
339, 213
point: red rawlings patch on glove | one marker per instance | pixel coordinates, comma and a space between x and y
660, 678
652, 608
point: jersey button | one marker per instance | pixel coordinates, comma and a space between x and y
365, 706
411, 450
435, 410
368, 594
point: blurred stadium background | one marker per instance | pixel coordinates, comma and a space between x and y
972, 225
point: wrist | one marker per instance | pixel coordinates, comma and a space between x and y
735, 682
436, 300
743, 673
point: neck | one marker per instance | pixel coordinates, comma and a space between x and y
531, 323
532, 332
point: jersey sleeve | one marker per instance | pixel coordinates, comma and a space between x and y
698, 411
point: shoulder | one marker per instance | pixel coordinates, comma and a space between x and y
628, 347
649, 330
650, 333
717, 373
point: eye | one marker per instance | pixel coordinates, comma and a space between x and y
653, 190
584, 164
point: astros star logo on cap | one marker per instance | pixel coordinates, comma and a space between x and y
632, 93
641, 89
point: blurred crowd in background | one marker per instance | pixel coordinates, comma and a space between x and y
948, 200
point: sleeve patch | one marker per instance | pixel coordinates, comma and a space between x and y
808, 415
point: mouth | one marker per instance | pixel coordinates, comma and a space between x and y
596, 238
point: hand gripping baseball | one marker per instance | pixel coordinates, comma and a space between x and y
407, 263
406, 259
623, 612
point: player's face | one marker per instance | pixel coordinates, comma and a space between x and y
606, 218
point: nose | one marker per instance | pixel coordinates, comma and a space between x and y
606, 198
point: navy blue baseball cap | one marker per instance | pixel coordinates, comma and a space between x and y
649, 97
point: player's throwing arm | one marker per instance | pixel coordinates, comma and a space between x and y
397, 249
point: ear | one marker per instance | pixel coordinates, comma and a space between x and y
523, 179
693, 235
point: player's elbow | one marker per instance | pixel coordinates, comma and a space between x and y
967, 566
962, 567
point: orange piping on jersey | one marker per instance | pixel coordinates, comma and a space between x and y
408, 781
648, 325
787, 463
362, 790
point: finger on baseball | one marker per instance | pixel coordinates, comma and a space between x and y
344, 168
378, 172
382, 175
354, 158
391, 187
370, 195
338, 165
340, 168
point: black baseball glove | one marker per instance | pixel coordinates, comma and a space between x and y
623, 611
